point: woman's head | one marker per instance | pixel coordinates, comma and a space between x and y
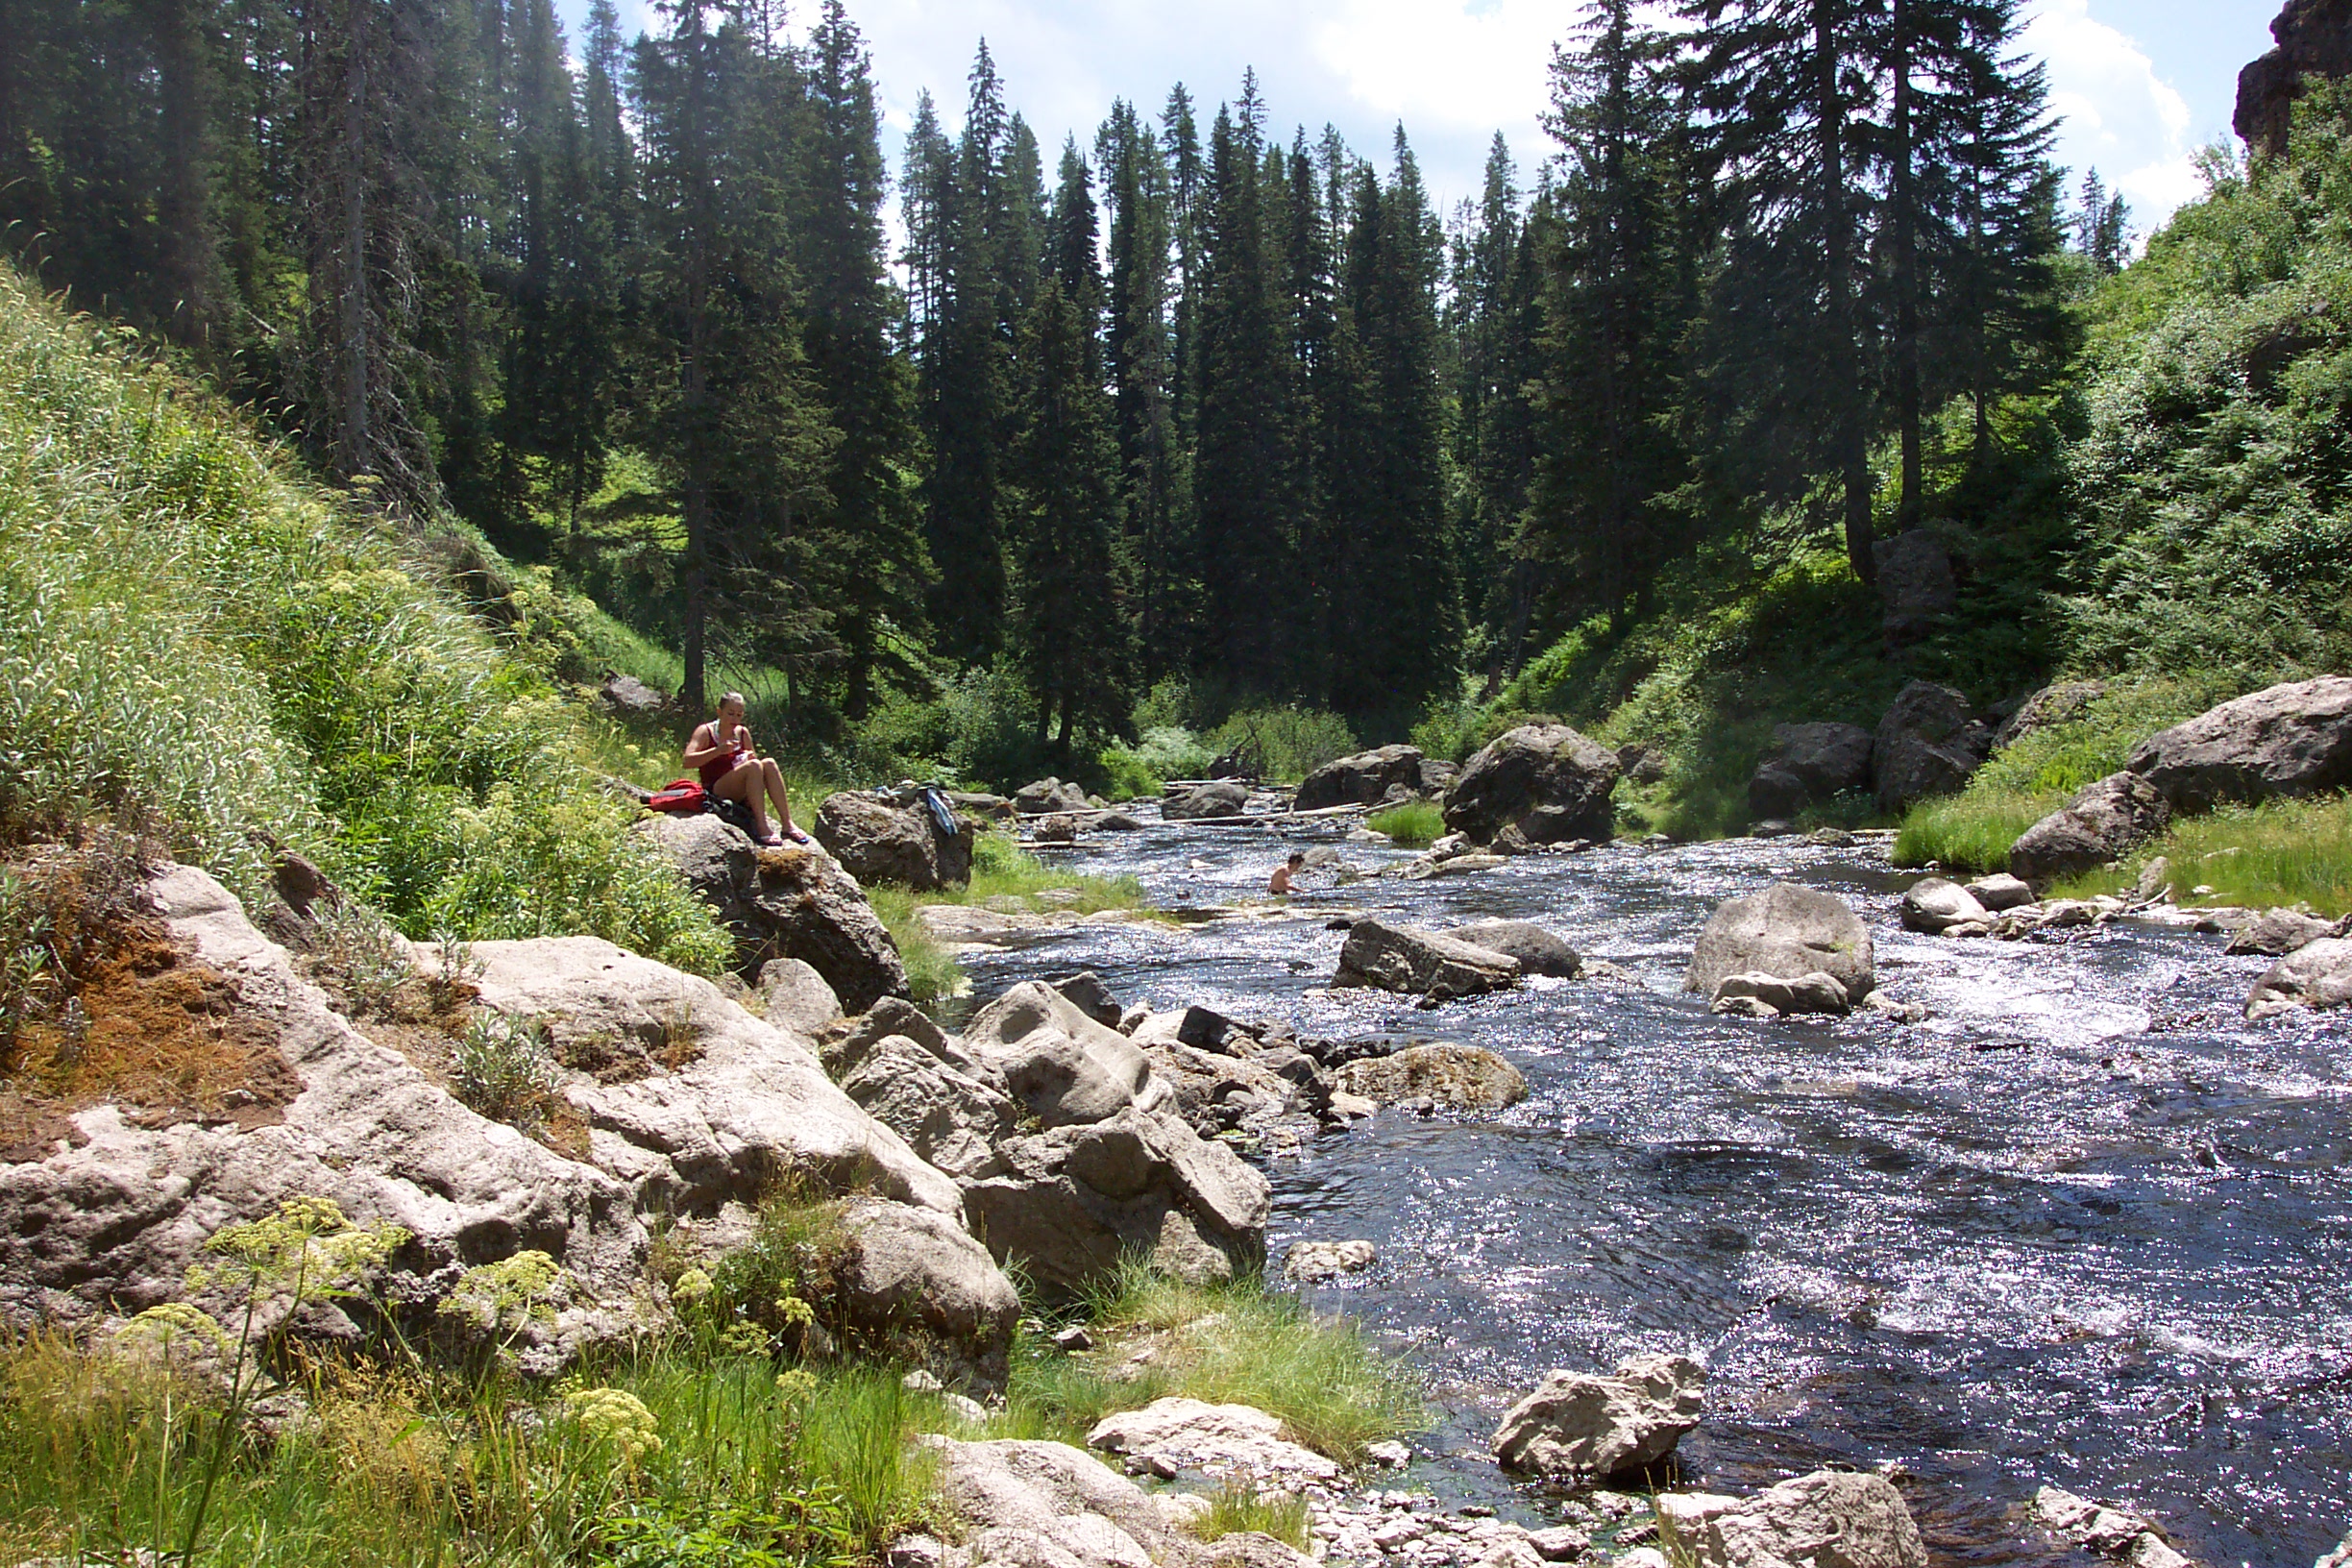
731, 707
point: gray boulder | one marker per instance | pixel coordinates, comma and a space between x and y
920, 1277
2107, 819
1938, 907
2000, 890
1928, 743
1071, 1201
1815, 993
1453, 1077
1060, 1065
951, 1118
1916, 584
1545, 780
625, 697
1035, 1505
1829, 1519
1785, 931
1537, 950
2274, 933
1048, 795
1219, 799
2062, 703
1420, 963
1809, 763
1578, 1425
876, 841
1088, 993
1362, 779
795, 996
785, 904
2316, 975
2290, 740
1217, 1092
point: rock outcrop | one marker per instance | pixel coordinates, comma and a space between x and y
1579, 1425
877, 841
1809, 763
2316, 975
1785, 931
1451, 1077
2314, 38
1363, 779
785, 904
1916, 584
2061, 702
1545, 781
1420, 963
1928, 742
2107, 819
1538, 951
2290, 740
1205, 800
1829, 1519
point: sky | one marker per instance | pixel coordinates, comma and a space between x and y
2142, 84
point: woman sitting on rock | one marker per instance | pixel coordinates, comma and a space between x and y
721, 751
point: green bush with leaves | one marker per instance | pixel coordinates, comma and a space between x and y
1285, 742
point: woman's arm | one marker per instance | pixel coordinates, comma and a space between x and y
698, 751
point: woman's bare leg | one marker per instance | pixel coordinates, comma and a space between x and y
774, 777
745, 784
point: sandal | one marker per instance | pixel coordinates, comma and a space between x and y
798, 837
774, 841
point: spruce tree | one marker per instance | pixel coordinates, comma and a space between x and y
1137, 349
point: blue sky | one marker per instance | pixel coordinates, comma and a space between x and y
2141, 83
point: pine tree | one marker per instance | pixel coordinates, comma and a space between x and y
1137, 347
2102, 225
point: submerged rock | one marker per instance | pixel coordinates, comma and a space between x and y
1786, 931
1829, 1519
1577, 1424
1420, 963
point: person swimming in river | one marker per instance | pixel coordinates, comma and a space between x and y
721, 751
1280, 881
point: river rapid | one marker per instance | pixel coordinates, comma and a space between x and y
2085, 1227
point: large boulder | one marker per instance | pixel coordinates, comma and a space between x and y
1829, 1519
1073, 1200
1362, 780
920, 1277
1420, 963
2290, 740
785, 904
2316, 975
1928, 742
1807, 763
1537, 950
1456, 1077
1785, 931
1046, 796
107, 1217
1058, 1064
1579, 1424
951, 1118
1917, 584
2107, 819
1546, 780
876, 841
1204, 800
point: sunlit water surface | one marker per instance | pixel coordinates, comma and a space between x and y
2086, 1227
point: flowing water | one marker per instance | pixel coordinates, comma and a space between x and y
2085, 1227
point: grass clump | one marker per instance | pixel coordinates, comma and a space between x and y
1415, 825
2280, 853
1232, 1509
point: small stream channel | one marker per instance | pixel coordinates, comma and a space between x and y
2084, 1227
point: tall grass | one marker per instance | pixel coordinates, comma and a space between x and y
195, 640
1416, 824
2253, 857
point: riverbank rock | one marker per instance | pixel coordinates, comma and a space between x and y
1809, 763
795, 996
1058, 1063
1363, 779
1537, 950
2340, 1557
876, 841
2107, 819
2061, 702
1217, 1092
1204, 800
2316, 975
951, 1118
1035, 1504
1577, 1424
2000, 890
1048, 795
1547, 781
1785, 931
2097, 1527
2290, 740
1072, 1201
1937, 908
1228, 1442
1310, 1260
1928, 742
2274, 933
1815, 993
1829, 1519
919, 1277
785, 904
1419, 962
1453, 1077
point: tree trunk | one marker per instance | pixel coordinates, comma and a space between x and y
354, 306
1844, 355
1906, 275
182, 201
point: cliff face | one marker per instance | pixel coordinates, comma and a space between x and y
2315, 38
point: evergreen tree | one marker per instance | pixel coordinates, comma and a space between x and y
2102, 225
1138, 345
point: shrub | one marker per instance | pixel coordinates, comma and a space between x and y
503, 1070
1285, 742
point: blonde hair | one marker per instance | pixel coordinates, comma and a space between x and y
733, 699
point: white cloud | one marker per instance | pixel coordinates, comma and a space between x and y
2120, 115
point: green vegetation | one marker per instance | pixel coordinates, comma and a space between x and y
1234, 1508
2296, 852
196, 644
1414, 826
1004, 876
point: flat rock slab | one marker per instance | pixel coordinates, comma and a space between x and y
1228, 1441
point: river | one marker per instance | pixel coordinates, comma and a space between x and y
2084, 1227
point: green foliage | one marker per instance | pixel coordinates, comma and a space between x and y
1235, 1508
1285, 742
503, 1070
664, 1534
1165, 751
933, 974
2280, 853
1414, 826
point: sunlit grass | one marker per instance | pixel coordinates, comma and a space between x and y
1415, 825
2256, 857
1233, 1508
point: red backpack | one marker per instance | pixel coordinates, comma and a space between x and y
682, 796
